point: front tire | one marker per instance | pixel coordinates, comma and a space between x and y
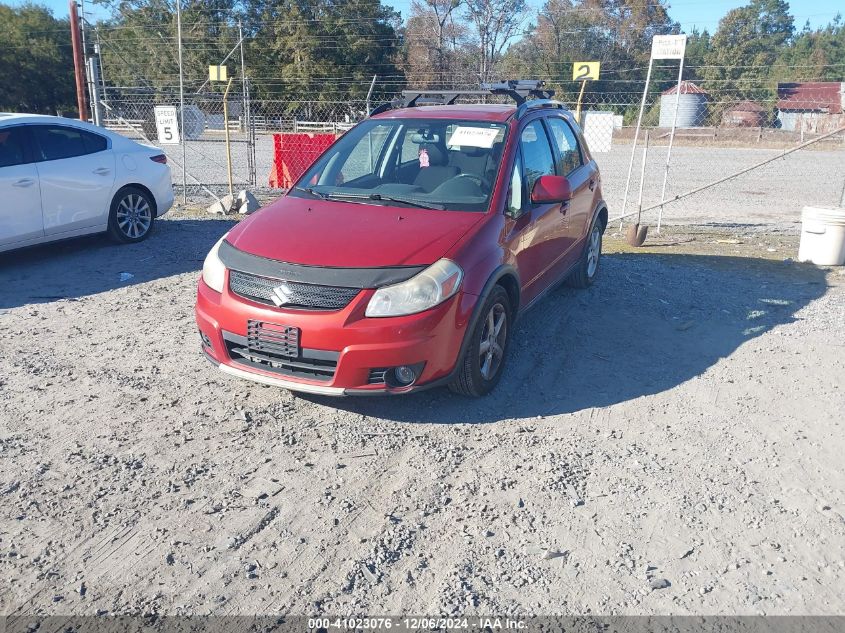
131, 215
587, 269
484, 359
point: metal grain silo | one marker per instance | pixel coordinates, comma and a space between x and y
692, 106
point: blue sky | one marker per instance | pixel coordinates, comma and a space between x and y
690, 13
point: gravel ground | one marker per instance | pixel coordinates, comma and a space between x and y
668, 441
773, 194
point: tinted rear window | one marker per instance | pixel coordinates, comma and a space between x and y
11, 147
57, 141
94, 142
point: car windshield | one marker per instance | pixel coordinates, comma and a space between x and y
428, 163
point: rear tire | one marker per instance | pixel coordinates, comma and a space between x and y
484, 359
131, 215
587, 269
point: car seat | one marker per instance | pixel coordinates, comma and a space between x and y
438, 172
470, 160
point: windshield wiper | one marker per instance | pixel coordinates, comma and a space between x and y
316, 194
413, 203
380, 197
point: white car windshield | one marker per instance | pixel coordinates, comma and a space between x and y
429, 163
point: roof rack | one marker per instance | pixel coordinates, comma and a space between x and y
538, 104
518, 90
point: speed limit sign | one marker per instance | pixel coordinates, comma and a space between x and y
167, 124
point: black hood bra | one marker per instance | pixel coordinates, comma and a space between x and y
242, 261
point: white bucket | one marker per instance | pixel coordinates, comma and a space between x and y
822, 236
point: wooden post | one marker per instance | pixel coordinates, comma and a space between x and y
580, 98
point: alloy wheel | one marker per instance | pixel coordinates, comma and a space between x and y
492, 348
593, 251
134, 216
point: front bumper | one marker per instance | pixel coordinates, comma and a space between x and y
359, 344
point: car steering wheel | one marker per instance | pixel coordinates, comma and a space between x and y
481, 182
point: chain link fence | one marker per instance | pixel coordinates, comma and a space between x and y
716, 133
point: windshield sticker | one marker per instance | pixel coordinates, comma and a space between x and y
473, 137
424, 158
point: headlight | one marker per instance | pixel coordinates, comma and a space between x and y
429, 288
213, 270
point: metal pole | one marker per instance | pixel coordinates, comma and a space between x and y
370, 94
636, 137
671, 142
243, 73
91, 95
369, 109
254, 174
93, 84
642, 177
245, 107
226, 128
182, 136
78, 64
99, 52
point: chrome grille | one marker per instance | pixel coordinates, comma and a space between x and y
298, 295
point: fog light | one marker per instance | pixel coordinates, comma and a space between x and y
404, 375
205, 340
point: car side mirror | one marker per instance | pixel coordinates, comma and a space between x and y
550, 189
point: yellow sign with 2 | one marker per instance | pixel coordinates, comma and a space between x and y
583, 71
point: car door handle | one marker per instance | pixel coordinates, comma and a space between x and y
24, 182
592, 184
102, 171
564, 206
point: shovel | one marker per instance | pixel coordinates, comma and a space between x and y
636, 234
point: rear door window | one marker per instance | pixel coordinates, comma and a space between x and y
12, 146
55, 142
94, 142
567, 145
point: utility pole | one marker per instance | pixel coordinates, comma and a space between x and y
78, 62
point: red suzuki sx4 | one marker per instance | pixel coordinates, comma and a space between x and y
401, 258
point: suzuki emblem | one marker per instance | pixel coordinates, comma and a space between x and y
282, 294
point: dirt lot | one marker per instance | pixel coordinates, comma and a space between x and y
669, 441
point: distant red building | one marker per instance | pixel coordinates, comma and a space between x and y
816, 106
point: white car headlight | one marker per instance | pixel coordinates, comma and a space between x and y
425, 290
213, 270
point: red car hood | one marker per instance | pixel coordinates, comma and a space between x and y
348, 235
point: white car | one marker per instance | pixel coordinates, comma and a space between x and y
62, 178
